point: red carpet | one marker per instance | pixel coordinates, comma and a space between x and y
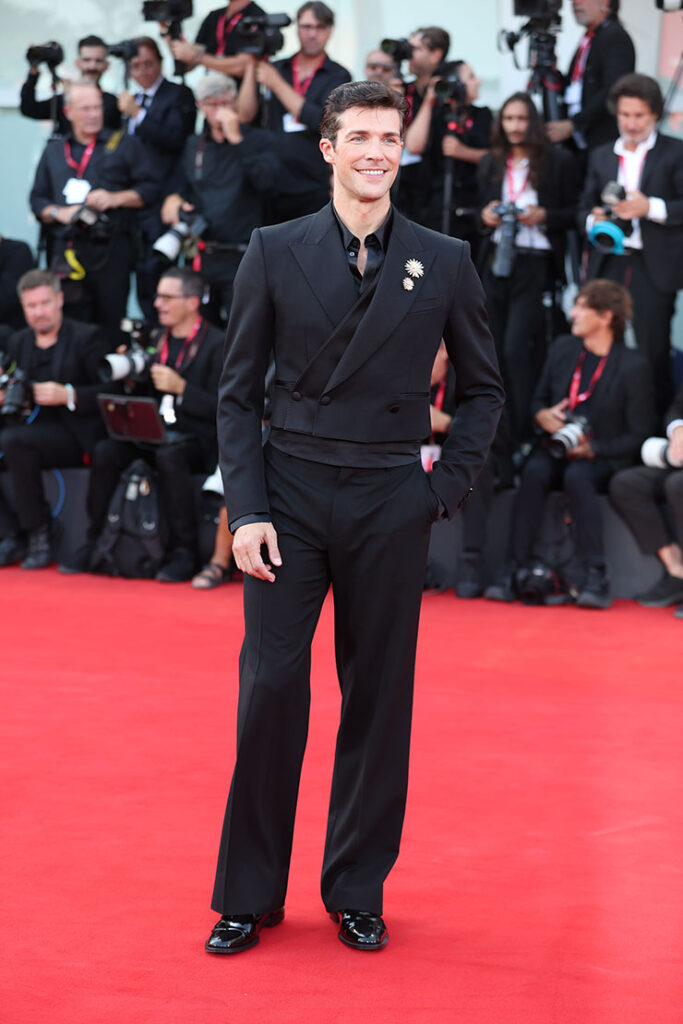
540, 878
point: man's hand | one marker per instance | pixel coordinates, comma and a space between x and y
267, 75
230, 123
452, 146
188, 53
63, 214
246, 549
599, 213
49, 392
127, 105
166, 379
552, 418
490, 219
440, 421
172, 205
532, 216
582, 450
559, 131
637, 205
100, 199
676, 447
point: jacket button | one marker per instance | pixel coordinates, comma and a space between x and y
394, 408
325, 400
296, 396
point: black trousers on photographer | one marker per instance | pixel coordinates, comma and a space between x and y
26, 451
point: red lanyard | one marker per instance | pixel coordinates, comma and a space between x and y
85, 159
440, 395
582, 56
223, 31
512, 195
301, 88
191, 339
574, 396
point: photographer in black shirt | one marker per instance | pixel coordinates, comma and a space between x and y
218, 46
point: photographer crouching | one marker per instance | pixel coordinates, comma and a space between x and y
183, 376
48, 412
594, 406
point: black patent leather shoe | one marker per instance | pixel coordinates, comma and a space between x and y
360, 929
235, 933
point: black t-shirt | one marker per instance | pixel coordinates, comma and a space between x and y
208, 30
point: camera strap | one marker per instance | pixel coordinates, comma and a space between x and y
300, 85
223, 31
574, 397
513, 195
80, 167
582, 56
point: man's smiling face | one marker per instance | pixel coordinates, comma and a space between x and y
366, 153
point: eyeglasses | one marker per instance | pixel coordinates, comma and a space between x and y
310, 27
379, 67
166, 296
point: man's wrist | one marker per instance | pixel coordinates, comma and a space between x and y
70, 397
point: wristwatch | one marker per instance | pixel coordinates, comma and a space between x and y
70, 403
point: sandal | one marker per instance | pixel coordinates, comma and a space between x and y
212, 575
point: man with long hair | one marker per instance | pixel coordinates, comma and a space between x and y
538, 186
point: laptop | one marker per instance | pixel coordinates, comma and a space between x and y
133, 419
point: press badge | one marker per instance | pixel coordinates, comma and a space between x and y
75, 191
290, 123
572, 97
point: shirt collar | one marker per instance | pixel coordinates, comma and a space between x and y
381, 234
152, 91
642, 147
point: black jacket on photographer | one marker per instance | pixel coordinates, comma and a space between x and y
45, 110
117, 163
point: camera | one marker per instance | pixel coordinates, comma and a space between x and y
135, 361
17, 394
506, 250
260, 35
399, 49
608, 235
655, 453
568, 437
92, 225
190, 227
449, 86
126, 50
537, 8
166, 11
50, 53
540, 585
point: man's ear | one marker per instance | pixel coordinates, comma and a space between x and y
327, 150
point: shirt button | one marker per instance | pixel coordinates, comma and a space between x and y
394, 408
296, 396
325, 400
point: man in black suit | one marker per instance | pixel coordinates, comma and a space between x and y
91, 64
604, 54
592, 375
161, 115
184, 379
297, 88
649, 166
650, 499
352, 302
58, 360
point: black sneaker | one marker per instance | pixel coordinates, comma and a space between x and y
12, 549
469, 583
666, 591
505, 587
39, 553
179, 567
678, 614
595, 590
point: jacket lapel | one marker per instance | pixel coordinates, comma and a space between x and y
323, 262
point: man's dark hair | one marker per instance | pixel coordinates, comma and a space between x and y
640, 87
602, 295
91, 41
435, 38
535, 141
359, 94
150, 43
38, 279
191, 282
321, 12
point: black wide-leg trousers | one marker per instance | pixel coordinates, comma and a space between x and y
365, 533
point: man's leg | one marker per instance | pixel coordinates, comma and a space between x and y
28, 450
176, 463
541, 473
109, 460
638, 494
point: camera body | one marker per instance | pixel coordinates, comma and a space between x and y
449, 88
190, 227
608, 235
166, 11
399, 49
260, 35
18, 397
126, 49
567, 438
92, 225
50, 53
136, 361
506, 249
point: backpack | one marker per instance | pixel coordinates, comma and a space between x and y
133, 541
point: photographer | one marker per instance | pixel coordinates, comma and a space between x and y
604, 54
452, 135
52, 365
380, 67
296, 89
650, 499
592, 375
537, 185
161, 114
226, 173
15, 260
91, 63
649, 168
103, 176
187, 369
217, 46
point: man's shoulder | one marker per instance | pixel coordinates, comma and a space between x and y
613, 30
668, 145
338, 70
76, 330
214, 336
430, 239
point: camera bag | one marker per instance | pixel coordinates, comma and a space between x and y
133, 541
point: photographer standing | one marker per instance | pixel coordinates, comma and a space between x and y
54, 363
294, 91
91, 63
217, 46
528, 191
100, 176
226, 173
187, 368
592, 382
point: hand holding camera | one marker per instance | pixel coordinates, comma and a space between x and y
553, 418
